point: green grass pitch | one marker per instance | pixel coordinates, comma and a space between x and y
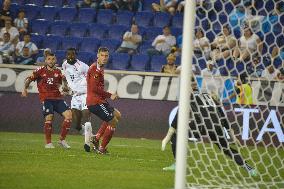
132, 164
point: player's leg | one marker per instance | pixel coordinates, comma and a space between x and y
221, 141
110, 129
63, 109
47, 111
76, 112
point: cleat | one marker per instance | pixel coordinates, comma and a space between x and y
63, 144
253, 173
87, 148
49, 146
95, 142
170, 168
102, 151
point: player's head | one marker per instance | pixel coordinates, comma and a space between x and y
103, 56
50, 60
71, 56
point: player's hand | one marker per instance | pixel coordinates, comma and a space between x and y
114, 97
24, 93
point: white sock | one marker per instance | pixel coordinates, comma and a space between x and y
88, 133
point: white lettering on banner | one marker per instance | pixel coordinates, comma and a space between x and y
19, 84
112, 83
173, 91
10, 77
161, 91
125, 82
272, 116
277, 128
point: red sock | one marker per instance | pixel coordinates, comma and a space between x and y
101, 131
107, 136
65, 128
47, 131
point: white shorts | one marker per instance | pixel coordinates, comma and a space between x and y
79, 102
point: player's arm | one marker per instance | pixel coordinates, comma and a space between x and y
27, 83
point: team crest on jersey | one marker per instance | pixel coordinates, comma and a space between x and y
55, 75
44, 75
96, 76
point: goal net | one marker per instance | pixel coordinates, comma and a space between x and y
237, 125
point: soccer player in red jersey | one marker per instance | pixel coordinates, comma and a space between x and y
97, 104
49, 79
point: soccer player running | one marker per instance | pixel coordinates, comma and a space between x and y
97, 104
49, 79
208, 120
75, 72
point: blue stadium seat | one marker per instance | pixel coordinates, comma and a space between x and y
14, 9
144, 46
67, 14
269, 39
59, 28
39, 3
269, 5
229, 7
218, 6
86, 15
60, 56
153, 32
98, 31
230, 64
117, 31
205, 24
120, 61
32, 11
177, 21
105, 16
37, 39
161, 19
210, 35
223, 71
78, 29
111, 44
143, 18
71, 42
124, 18
40, 26
176, 32
55, 3
217, 28
90, 44
202, 63
157, 61
48, 13
18, 2
240, 67
52, 42
139, 62
178, 60
71, 3
86, 57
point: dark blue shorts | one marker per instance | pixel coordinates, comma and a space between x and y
51, 106
103, 111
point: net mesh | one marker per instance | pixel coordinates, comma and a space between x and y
242, 40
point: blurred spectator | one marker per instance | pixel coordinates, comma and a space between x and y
6, 49
33, 50
89, 4
25, 58
21, 23
271, 73
5, 13
165, 6
223, 44
255, 68
163, 43
170, 67
131, 40
249, 45
131, 5
109, 4
40, 61
276, 53
243, 91
210, 70
201, 44
13, 31
180, 6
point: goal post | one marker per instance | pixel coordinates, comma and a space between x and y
185, 91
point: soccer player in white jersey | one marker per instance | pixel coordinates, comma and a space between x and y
75, 72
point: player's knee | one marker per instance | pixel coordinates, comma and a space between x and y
68, 115
49, 118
